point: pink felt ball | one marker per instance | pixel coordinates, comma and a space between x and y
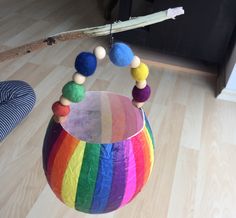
141, 95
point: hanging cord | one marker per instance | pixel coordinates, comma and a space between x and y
111, 39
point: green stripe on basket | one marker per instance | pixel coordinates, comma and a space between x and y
149, 131
87, 178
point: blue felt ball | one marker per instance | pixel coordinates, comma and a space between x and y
121, 55
86, 63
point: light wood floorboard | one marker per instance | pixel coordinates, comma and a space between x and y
194, 172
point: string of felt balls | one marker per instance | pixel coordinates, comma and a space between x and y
85, 64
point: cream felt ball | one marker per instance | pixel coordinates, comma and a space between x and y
78, 78
99, 52
137, 104
135, 62
141, 84
64, 101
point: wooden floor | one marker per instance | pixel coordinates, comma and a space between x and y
194, 174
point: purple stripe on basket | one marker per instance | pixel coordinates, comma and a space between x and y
119, 177
130, 172
53, 131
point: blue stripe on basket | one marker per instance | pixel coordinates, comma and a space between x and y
119, 177
104, 179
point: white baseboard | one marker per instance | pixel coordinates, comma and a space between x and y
227, 95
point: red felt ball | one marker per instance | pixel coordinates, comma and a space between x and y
60, 110
141, 95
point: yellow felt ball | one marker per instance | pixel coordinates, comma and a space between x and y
140, 73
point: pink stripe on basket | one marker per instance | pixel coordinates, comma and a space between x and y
131, 175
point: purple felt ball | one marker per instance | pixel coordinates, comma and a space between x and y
141, 95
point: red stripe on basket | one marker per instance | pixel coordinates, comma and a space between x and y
139, 159
60, 162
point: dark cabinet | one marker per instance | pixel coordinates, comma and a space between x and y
204, 32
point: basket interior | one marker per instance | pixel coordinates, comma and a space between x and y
103, 117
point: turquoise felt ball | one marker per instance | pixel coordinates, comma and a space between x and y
121, 54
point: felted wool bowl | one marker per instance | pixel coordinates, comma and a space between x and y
99, 159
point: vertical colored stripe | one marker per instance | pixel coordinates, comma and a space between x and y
118, 118
139, 159
139, 119
53, 153
146, 151
130, 117
150, 145
53, 131
149, 130
87, 178
70, 180
104, 179
119, 177
60, 163
106, 119
131, 175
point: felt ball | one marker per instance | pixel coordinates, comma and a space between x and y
99, 52
137, 104
64, 101
121, 55
78, 78
135, 62
74, 92
86, 63
141, 84
141, 95
59, 119
60, 110
140, 73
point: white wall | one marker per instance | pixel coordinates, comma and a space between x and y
231, 71
231, 84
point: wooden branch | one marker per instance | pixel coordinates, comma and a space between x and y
133, 23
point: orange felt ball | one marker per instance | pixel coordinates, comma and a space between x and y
60, 110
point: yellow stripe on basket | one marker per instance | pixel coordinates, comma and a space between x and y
151, 149
71, 176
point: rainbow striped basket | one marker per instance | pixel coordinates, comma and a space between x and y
99, 159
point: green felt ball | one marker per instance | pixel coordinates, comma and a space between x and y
73, 91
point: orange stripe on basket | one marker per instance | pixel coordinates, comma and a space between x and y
151, 150
60, 163
118, 118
